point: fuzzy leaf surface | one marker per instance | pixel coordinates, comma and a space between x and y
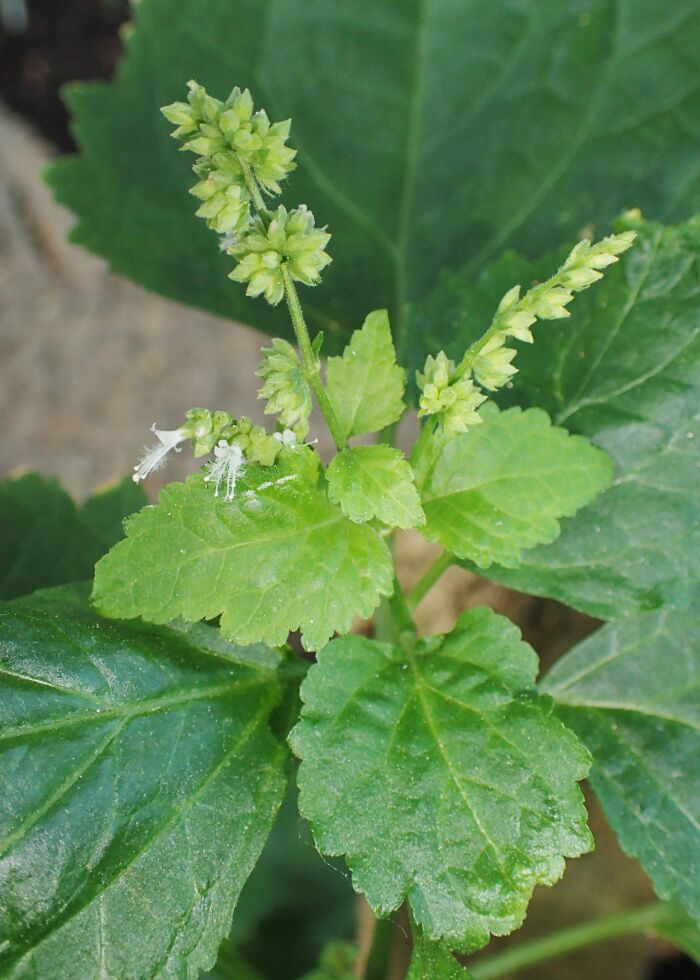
503, 486
443, 778
46, 540
365, 385
137, 767
624, 371
274, 559
375, 481
431, 133
632, 692
433, 961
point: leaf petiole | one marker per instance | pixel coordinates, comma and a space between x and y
429, 579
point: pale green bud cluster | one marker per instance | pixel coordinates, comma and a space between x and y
449, 393
490, 359
455, 400
549, 300
290, 241
240, 152
257, 445
285, 388
206, 428
226, 132
225, 199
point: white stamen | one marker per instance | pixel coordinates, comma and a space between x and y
154, 457
226, 467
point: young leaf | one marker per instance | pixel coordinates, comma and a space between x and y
276, 558
632, 692
365, 385
433, 961
503, 485
47, 540
441, 775
418, 140
625, 372
375, 481
140, 781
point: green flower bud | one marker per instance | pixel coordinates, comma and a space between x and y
226, 202
285, 387
462, 413
455, 402
257, 445
492, 365
211, 127
291, 241
206, 428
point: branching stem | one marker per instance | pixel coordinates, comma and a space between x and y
568, 940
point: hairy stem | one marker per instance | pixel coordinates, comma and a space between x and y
309, 359
568, 940
425, 584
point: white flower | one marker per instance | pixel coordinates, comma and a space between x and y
154, 458
287, 438
228, 464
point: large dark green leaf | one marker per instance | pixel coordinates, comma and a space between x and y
140, 781
46, 540
624, 371
430, 133
632, 692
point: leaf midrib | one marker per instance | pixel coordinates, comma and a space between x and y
129, 710
177, 815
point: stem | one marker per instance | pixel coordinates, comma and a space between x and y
310, 361
425, 584
380, 950
567, 940
252, 185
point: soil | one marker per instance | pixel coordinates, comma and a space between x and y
47, 43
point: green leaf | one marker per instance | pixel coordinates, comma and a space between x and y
276, 558
47, 540
430, 134
375, 481
365, 385
441, 775
433, 961
503, 485
625, 372
632, 692
140, 781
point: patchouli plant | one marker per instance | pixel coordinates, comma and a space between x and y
153, 719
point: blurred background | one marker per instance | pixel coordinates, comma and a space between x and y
88, 361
